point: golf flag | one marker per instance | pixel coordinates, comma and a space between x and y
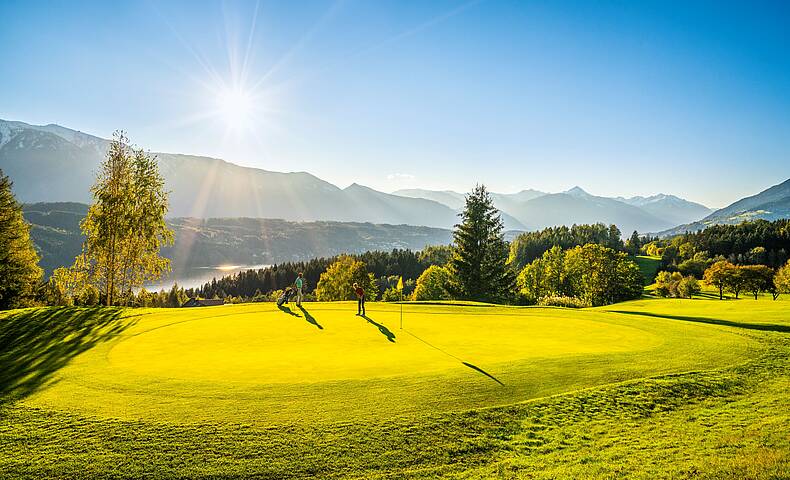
400, 289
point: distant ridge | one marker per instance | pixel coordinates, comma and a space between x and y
535, 209
51, 163
770, 204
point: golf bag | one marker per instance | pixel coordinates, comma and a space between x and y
284, 297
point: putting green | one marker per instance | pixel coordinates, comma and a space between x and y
249, 347
255, 363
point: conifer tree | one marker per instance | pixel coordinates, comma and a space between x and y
479, 265
19, 270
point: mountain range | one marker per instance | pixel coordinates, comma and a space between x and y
54, 164
770, 204
536, 210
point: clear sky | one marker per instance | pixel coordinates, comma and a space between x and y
621, 98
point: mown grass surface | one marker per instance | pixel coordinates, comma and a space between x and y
648, 266
670, 398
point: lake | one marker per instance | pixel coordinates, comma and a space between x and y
195, 277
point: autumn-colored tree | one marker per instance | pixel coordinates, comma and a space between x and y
719, 275
125, 227
337, 281
782, 280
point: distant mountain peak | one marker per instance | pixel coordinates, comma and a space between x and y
577, 191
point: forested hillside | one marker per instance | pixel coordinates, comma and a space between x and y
240, 241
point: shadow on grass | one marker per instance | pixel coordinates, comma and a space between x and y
771, 327
384, 330
310, 319
287, 310
35, 344
478, 369
466, 364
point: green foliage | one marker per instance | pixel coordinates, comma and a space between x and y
634, 244
391, 294
383, 265
735, 278
176, 296
757, 278
688, 287
755, 242
479, 264
696, 265
529, 246
561, 301
436, 255
125, 227
595, 274
601, 276
676, 285
719, 275
338, 280
432, 284
544, 277
782, 280
19, 270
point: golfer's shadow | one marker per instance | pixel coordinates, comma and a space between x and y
287, 310
309, 318
384, 330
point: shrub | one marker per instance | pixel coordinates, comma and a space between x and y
391, 294
688, 287
676, 285
562, 301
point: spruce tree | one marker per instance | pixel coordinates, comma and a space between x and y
479, 266
19, 270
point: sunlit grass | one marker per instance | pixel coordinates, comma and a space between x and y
652, 389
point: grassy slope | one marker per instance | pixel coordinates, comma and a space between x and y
103, 417
648, 266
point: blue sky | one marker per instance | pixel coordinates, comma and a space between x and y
622, 98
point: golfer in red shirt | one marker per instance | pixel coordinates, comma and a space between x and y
360, 299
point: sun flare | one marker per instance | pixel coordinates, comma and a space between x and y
235, 107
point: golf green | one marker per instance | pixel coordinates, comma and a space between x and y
257, 364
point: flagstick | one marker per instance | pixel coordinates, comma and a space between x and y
401, 309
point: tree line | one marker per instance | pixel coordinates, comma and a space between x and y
749, 257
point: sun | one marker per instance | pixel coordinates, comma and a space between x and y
235, 107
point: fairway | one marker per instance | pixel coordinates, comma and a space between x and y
644, 389
257, 364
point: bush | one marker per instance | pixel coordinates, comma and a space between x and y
432, 284
562, 301
391, 294
675, 285
688, 287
